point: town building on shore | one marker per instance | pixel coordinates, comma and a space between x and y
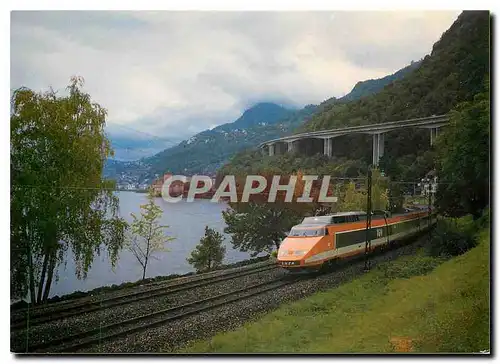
178, 188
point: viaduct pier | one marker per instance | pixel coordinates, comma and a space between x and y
301, 142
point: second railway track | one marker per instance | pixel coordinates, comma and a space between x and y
85, 307
124, 329
99, 334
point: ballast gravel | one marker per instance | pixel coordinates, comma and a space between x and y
174, 335
72, 325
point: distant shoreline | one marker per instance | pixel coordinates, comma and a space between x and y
206, 196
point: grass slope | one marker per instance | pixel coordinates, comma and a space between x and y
446, 310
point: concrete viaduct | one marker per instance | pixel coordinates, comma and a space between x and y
289, 143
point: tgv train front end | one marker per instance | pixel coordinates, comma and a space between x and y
298, 246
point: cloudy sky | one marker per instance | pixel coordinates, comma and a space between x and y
173, 74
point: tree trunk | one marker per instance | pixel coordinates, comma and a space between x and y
148, 245
50, 275
42, 278
31, 274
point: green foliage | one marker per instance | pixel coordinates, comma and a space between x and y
355, 199
407, 267
370, 87
207, 151
352, 199
380, 197
451, 74
453, 236
210, 149
484, 221
409, 167
259, 227
464, 163
395, 197
58, 198
254, 162
146, 236
209, 253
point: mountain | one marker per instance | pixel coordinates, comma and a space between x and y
130, 144
262, 112
131, 149
205, 152
454, 72
370, 87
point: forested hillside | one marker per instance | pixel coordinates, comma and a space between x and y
370, 87
207, 151
453, 80
454, 72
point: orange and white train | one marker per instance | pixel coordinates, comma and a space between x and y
320, 240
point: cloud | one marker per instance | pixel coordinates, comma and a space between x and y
173, 74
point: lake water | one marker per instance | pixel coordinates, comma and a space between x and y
186, 223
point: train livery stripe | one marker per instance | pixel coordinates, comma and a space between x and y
347, 238
353, 241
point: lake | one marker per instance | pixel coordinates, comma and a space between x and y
186, 223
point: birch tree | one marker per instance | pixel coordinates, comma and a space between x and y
146, 236
59, 201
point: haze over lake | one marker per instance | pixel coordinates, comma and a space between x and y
186, 223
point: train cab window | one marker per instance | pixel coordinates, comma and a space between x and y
339, 219
297, 231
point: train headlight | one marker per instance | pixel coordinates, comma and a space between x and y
299, 252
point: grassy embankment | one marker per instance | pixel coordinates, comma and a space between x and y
442, 306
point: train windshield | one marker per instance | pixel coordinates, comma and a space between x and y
297, 231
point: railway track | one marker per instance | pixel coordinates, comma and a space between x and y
97, 335
66, 311
104, 334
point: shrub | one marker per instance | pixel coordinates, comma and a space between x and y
484, 221
453, 236
209, 253
407, 267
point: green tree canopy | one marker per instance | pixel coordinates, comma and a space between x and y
209, 253
463, 159
58, 198
259, 227
451, 74
355, 199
